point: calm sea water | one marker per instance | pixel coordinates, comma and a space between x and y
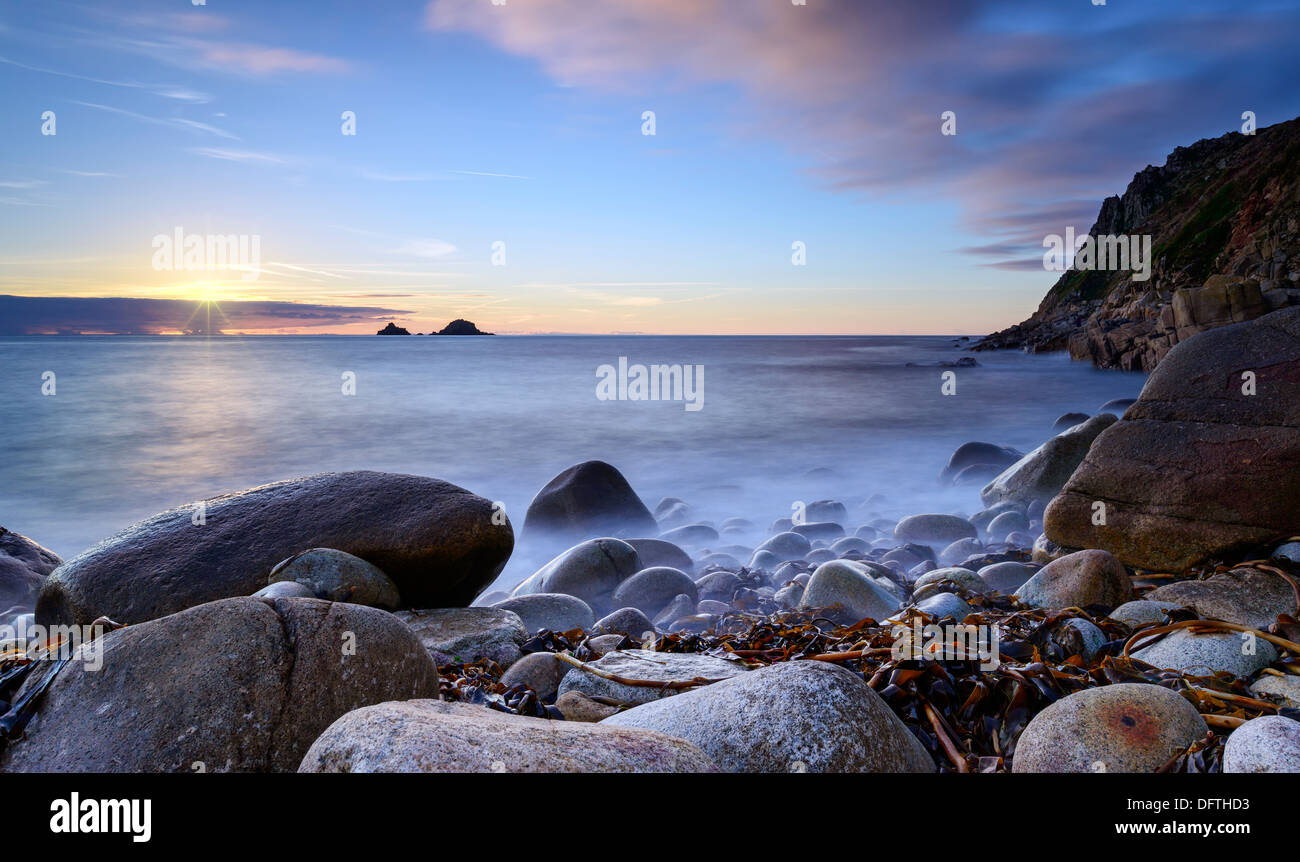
141, 424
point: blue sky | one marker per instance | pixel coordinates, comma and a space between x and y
521, 123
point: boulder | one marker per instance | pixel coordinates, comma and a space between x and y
624, 621
237, 685
1126, 727
827, 531
1285, 687
456, 635
681, 606
650, 590
1066, 421
437, 736
555, 612
717, 586
23, 567
935, 530
440, 544
1006, 577
1078, 580
1141, 612
964, 578
849, 592
1270, 743
589, 499
286, 590
592, 571
576, 706
984, 455
788, 717
1203, 654
657, 552
339, 577
691, 535
958, 551
646, 665
1245, 596
1040, 475
787, 546
540, 671
1203, 465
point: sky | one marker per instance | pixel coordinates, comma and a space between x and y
798, 180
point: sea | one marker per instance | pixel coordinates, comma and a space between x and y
100, 432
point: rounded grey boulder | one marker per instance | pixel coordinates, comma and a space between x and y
592, 571
339, 577
437, 736
849, 592
650, 590
586, 500
238, 685
788, 717
1078, 580
1270, 743
555, 612
934, 530
440, 544
1126, 727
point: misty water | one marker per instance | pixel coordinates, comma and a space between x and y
137, 425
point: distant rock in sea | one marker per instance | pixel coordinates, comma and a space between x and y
461, 327
392, 329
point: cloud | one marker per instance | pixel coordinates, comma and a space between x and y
1055, 103
31, 315
263, 60
172, 122
425, 248
245, 156
167, 91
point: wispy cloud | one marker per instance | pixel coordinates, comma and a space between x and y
425, 248
244, 156
167, 91
171, 122
489, 174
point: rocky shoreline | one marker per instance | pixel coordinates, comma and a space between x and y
1070, 621
1222, 216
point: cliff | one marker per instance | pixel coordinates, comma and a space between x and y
1224, 219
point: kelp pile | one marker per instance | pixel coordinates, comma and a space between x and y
967, 715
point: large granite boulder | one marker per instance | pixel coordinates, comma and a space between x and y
589, 499
803, 716
1041, 474
237, 685
436, 736
440, 544
1126, 727
23, 567
1206, 463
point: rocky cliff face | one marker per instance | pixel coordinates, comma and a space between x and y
1224, 218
